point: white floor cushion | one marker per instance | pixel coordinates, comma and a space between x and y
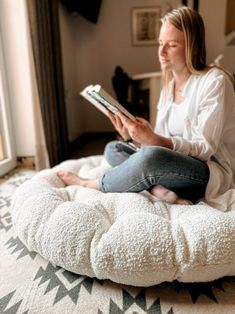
128, 238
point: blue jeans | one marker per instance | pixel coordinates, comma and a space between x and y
152, 165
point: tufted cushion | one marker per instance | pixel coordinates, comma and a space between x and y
128, 238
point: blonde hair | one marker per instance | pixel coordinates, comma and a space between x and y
191, 24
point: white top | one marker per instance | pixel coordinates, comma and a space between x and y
209, 131
177, 115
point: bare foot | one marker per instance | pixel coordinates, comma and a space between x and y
183, 201
168, 196
70, 178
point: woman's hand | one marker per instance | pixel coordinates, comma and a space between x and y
119, 126
141, 132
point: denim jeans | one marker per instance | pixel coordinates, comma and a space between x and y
152, 165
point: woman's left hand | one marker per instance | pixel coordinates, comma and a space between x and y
140, 130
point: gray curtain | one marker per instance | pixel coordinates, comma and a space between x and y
45, 35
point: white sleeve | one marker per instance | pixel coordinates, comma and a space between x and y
206, 127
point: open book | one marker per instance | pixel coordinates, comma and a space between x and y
96, 95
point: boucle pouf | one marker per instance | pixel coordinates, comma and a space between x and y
128, 238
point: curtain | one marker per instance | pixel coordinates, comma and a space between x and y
45, 36
41, 153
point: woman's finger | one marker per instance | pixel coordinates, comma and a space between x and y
125, 120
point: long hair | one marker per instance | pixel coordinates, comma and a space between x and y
191, 24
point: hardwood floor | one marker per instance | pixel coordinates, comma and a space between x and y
90, 144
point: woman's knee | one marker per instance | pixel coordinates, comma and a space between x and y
114, 153
110, 151
110, 148
154, 155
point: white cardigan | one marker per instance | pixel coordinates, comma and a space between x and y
209, 131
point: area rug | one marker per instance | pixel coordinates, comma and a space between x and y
31, 285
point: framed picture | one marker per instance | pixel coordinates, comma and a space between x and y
145, 25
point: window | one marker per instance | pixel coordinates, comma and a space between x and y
7, 153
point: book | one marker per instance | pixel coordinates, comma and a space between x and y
128, 147
101, 99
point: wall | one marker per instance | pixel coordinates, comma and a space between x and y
99, 48
15, 40
90, 53
215, 29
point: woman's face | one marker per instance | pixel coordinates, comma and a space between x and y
171, 50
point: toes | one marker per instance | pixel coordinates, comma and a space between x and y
61, 173
182, 201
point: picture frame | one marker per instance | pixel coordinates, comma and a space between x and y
145, 24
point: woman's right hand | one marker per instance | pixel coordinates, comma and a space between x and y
119, 127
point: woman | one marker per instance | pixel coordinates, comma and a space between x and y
191, 153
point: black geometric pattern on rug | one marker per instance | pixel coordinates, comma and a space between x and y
194, 289
18, 178
5, 201
68, 283
201, 288
19, 247
5, 216
4, 301
140, 300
